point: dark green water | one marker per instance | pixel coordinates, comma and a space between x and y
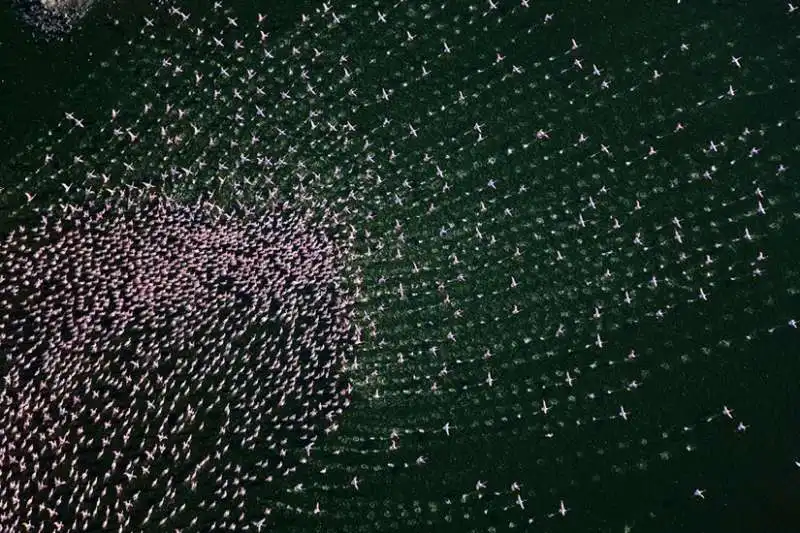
693, 356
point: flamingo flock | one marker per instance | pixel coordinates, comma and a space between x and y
366, 266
